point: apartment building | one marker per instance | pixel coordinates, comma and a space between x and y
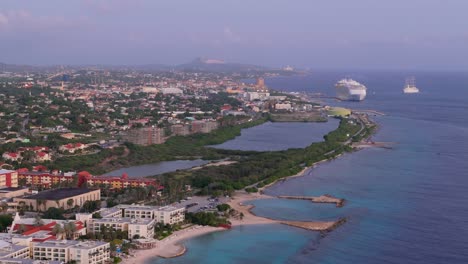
166, 215
11, 250
169, 215
141, 228
89, 252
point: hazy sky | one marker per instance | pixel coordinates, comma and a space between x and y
381, 34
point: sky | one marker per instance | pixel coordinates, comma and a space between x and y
317, 34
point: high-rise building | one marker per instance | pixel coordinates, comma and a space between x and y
145, 136
260, 82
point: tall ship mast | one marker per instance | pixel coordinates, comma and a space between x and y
410, 86
350, 90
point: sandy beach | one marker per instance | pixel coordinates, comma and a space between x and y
171, 246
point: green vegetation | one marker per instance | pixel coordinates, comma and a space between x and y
162, 231
5, 221
264, 167
339, 111
54, 213
178, 147
297, 117
251, 189
205, 218
223, 207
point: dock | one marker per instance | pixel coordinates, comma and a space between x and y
372, 144
325, 226
326, 198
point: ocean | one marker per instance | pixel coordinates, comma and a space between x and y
404, 205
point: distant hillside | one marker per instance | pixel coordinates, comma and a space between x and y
214, 65
199, 64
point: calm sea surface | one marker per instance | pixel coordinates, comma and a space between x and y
405, 205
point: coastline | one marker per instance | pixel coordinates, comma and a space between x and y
172, 246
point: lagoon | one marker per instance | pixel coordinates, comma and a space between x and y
157, 168
274, 136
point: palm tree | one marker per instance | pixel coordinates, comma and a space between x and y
70, 229
21, 229
3, 206
58, 230
70, 203
38, 221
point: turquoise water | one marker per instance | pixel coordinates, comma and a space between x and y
404, 205
245, 244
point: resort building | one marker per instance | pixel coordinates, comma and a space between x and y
92, 252
11, 250
49, 180
166, 214
43, 179
10, 192
169, 215
63, 197
137, 228
8, 178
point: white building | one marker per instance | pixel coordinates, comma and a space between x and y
12, 250
176, 91
141, 228
166, 215
169, 215
283, 106
86, 252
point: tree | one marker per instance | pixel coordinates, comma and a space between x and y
5, 221
3, 206
21, 229
38, 221
58, 230
53, 213
70, 203
223, 207
70, 229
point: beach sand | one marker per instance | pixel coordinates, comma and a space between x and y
171, 246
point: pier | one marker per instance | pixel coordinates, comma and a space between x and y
371, 112
372, 144
316, 226
339, 202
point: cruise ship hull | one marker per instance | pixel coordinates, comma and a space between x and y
346, 94
410, 90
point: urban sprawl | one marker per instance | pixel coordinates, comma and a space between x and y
61, 129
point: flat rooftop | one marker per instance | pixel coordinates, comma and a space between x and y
59, 194
12, 189
124, 220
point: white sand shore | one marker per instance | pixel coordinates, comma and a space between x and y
171, 246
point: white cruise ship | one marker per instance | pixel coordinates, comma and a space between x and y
410, 86
350, 90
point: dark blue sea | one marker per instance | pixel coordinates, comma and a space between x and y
408, 204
